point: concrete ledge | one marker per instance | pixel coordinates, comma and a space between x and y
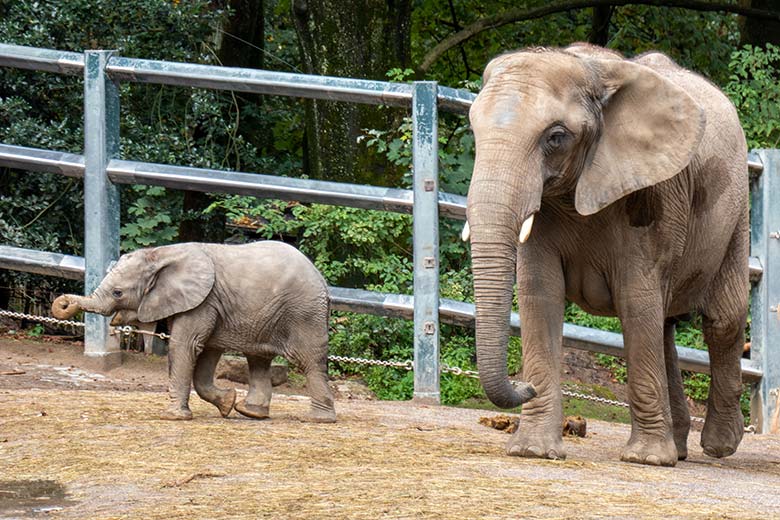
427, 398
104, 361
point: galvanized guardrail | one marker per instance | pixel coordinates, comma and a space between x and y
102, 169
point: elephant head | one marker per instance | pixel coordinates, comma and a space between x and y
576, 125
148, 285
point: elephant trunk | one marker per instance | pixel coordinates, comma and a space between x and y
499, 206
66, 306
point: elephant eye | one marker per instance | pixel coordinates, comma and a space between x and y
555, 139
116, 293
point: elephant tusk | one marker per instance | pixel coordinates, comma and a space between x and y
466, 233
525, 229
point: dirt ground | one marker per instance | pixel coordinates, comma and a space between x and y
78, 444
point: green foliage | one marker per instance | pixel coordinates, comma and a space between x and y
227, 131
398, 74
696, 40
149, 223
754, 87
36, 331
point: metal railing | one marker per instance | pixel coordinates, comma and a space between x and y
102, 169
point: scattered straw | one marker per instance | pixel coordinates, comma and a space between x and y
381, 460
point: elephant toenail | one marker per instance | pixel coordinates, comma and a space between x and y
552, 454
533, 451
653, 459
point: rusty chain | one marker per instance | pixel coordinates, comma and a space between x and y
406, 365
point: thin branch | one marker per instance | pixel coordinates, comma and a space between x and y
463, 54
519, 15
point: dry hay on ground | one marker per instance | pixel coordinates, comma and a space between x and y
381, 460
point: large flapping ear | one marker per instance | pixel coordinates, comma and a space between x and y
652, 128
182, 275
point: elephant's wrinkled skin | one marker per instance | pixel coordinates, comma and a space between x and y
635, 174
264, 299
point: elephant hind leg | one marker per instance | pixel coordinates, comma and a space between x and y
203, 380
681, 417
311, 354
724, 317
258, 398
322, 407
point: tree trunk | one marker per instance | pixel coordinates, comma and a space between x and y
350, 38
757, 31
599, 32
239, 44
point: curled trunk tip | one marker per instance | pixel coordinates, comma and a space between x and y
63, 308
525, 391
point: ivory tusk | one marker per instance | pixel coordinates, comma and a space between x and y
466, 233
525, 229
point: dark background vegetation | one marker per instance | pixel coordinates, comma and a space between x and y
732, 44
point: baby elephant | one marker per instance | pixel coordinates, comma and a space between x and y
264, 299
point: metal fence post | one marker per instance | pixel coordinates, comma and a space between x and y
426, 242
101, 198
765, 302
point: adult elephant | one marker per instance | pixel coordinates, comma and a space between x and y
620, 185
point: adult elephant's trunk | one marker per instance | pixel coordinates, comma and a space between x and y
498, 204
66, 306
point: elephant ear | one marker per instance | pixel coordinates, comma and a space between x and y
181, 276
652, 128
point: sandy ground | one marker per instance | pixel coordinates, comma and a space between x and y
77, 444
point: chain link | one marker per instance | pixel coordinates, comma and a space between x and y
43, 319
127, 331
594, 398
473, 374
406, 365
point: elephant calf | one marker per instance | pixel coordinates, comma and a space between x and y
264, 299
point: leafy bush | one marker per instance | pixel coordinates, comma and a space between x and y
754, 87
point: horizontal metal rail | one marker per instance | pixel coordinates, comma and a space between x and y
41, 262
755, 166
31, 58
389, 305
756, 269
38, 160
232, 78
237, 183
369, 197
260, 81
455, 100
462, 314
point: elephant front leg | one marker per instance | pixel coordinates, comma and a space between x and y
541, 301
652, 439
186, 343
205, 367
681, 415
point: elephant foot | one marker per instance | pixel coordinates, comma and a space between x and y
225, 402
322, 415
542, 445
252, 411
682, 448
651, 450
721, 435
176, 414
